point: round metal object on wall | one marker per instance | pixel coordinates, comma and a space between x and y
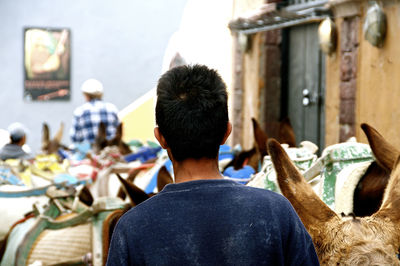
375, 26
327, 34
244, 42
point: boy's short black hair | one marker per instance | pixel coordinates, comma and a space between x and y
192, 111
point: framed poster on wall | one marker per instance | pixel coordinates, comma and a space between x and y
47, 64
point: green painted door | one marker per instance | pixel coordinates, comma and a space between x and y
306, 84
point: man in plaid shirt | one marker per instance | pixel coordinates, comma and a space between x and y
88, 116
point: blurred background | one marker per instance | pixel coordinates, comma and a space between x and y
326, 65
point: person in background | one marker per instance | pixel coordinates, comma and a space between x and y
87, 117
14, 150
204, 219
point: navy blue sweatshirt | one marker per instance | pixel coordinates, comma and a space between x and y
212, 222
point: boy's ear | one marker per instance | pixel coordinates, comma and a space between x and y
227, 133
160, 138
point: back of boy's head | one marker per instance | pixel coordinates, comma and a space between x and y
192, 111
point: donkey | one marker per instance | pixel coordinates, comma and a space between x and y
136, 196
372, 240
51, 146
367, 180
101, 140
22, 198
364, 190
58, 202
282, 131
76, 236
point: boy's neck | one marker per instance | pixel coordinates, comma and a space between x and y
196, 169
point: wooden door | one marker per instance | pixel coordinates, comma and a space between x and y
306, 84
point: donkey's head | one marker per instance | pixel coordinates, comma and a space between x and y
282, 130
50, 146
253, 156
101, 140
286, 133
137, 195
372, 240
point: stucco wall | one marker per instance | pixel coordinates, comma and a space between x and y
378, 81
332, 93
332, 100
378, 87
252, 84
247, 69
119, 42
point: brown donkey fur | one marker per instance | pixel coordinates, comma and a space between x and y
108, 227
369, 191
282, 131
372, 240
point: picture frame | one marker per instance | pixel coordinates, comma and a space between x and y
47, 60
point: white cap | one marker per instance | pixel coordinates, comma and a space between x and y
92, 87
16, 130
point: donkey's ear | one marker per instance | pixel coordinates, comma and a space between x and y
45, 137
131, 178
86, 196
45, 133
391, 200
118, 133
59, 135
313, 212
102, 134
260, 137
135, 194
286, 133
163, 178
385, 153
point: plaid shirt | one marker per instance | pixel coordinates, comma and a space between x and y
87, 118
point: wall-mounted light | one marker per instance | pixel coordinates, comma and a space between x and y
244, 42
375, 25
327, 34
